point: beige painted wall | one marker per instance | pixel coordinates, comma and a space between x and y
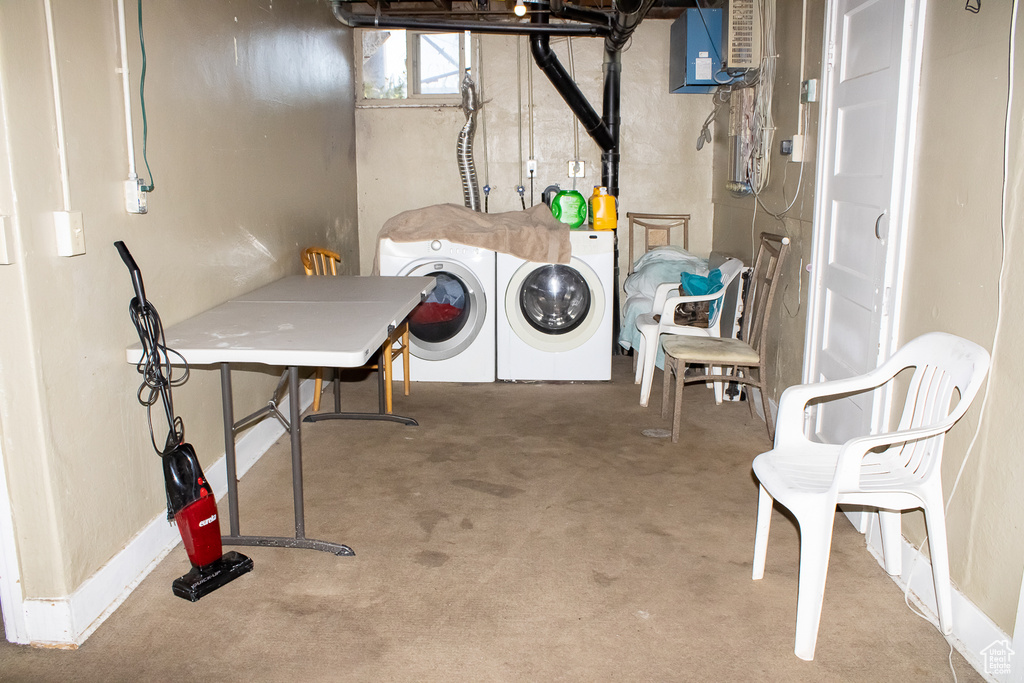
251, 140
738, 223
953, 262
953, 258
407, 156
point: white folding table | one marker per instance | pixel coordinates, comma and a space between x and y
299, 321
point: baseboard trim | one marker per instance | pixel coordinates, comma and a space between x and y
66, 622
973, 631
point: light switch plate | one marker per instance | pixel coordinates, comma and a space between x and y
70, 232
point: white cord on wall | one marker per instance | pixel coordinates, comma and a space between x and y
58, 108
1008, 131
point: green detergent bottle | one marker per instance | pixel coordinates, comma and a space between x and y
569, 206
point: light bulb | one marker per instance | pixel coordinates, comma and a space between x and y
520, 9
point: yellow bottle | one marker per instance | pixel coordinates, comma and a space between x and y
602, 208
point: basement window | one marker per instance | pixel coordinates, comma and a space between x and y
404, 67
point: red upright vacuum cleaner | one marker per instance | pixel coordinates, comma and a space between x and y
190, 500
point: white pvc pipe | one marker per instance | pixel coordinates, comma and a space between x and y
803, 61
58, 108
126, 86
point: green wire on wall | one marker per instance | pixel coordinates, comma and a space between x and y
142, 101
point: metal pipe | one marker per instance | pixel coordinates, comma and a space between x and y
612, 92
353, 20
467, 168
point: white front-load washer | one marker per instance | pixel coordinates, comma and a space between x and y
451, 333
555, 320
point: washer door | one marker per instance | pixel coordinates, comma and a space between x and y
555, 307
450, 318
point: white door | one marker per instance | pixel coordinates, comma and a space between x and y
872, 66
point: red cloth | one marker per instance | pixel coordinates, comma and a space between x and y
432, 312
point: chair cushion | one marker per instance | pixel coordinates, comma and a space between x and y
711, 350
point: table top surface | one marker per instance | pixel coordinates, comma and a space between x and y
299, 320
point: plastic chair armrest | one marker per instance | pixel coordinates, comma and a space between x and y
669, 307
661, 293
853, 451
794, 400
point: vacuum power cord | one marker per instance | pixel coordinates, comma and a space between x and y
155, 365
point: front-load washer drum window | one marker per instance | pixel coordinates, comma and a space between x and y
443, 314
554, 299
555, 307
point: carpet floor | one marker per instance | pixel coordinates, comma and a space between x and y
522, 532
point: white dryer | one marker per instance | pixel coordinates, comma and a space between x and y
555, 321
451, 333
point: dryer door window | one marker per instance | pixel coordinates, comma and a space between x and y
554, 299
451, 317
443, 313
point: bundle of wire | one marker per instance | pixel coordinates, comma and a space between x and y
157, 372
763, 123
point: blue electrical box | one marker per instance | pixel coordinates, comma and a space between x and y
695, 62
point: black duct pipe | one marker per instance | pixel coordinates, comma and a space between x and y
540, 46
604, 130
353, 20
625, 21
615, 28
629, 6
563, 10
612, 90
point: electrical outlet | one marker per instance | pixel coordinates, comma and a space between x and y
70, 232
531, 168
577, 169
135, 197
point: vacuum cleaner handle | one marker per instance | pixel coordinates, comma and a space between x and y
133, 268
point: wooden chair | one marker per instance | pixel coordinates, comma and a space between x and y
657, 230
319, 261
741, 360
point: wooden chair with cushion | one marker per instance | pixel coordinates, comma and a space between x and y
661, 321
320, 261
741, 360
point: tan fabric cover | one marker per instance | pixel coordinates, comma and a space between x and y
711, 350
533, 235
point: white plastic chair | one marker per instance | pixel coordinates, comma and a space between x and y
892, 471
661, 321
